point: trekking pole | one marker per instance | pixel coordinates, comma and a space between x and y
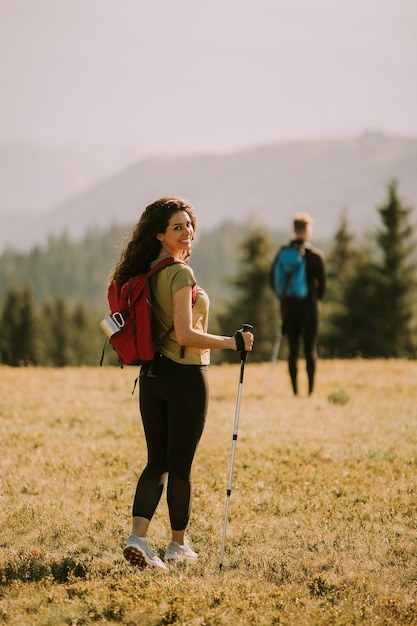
274, 355
243, 356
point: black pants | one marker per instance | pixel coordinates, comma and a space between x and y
301, 323
173, 406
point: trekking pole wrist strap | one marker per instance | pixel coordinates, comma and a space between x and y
240, 343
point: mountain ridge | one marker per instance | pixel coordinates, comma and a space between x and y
264, 184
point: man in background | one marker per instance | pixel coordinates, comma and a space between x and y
300, 313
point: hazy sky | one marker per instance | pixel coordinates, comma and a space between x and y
172, 76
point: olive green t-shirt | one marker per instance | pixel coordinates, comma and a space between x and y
164, 284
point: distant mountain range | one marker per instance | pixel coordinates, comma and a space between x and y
264, 185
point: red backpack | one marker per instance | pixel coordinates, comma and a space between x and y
128, 327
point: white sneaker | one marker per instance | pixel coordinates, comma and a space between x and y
177, 551
139, 553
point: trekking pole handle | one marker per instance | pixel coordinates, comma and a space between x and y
240, 341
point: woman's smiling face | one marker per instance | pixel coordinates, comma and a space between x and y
178, 237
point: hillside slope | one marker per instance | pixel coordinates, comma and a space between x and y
266, 184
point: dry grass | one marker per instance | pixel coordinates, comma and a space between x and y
322, 523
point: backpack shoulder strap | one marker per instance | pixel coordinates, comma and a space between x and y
296, 245
159, 266
171, 261
129, 289
163, 263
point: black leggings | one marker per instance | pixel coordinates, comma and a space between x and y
301, 322
309, 337
173, 406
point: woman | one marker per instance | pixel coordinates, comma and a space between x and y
174, 399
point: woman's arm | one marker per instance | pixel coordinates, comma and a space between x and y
187, 336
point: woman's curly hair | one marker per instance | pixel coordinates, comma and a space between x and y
144, 246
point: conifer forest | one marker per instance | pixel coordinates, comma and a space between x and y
52, 298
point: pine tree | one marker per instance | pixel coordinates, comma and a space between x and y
87, 338
58, 340
341, 255
357, 317
339, 263
375, 313
19, 321
255, 302
396, 278
342, 268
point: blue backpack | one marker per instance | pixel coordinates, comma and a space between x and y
288, 274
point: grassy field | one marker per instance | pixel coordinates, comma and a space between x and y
322, 519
